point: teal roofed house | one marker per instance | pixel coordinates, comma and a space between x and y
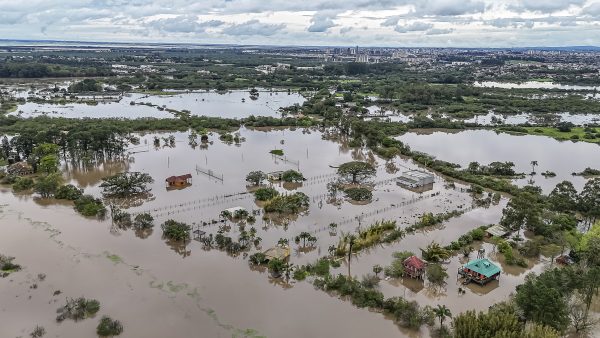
479, 271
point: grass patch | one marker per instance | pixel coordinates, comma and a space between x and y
576, 133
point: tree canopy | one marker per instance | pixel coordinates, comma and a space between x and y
356, 171
126, 184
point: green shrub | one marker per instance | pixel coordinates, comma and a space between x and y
265, 194
359, 194
89, 206
68, 192
284, 204
257, 258
292, 176
176, 231
22, 183
78, 309
143, 221
109, 327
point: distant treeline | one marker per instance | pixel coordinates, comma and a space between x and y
13, 69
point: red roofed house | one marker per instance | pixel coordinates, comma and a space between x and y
178, 181
414, 267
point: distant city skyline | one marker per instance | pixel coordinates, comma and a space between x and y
383, 23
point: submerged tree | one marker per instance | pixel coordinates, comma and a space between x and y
176, 231
292, 176
126, 184
255, 177
47, 185
356, 171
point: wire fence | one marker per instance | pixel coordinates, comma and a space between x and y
206, 202
210, 173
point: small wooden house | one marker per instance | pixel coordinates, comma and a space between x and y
20, 169
178, 181
480, 271
414, 267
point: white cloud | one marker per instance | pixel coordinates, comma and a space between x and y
322, 21
366, 22
254, 27
414, 27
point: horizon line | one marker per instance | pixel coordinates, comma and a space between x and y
88, 43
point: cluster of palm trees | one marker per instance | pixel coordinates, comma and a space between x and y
306, 237
229, 245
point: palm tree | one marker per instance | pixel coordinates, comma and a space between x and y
377, 269
331, 250
533, 165
442, 312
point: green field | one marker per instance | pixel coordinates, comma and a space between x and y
577, 133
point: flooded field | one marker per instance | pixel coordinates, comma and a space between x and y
486, 146
533, 119
491, 118
230, 104
93, 258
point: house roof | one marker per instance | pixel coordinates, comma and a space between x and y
483, 266
497, 230
415, 262
277, 252
178, 178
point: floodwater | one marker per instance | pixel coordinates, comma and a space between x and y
158, 288
492, 118
486, 146
532, 85
232, 104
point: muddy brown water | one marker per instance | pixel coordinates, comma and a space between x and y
159, 290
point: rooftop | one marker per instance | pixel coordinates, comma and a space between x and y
278, 252
497, 230
417, 174
483, 266
415, 262
178, 178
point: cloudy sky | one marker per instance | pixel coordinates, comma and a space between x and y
462, 23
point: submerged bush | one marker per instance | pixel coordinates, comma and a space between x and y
78, 309
265, 194
87, 205
143, 221
359, 194
68, 192
109, 327
177, 231
22, 183
284, 204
